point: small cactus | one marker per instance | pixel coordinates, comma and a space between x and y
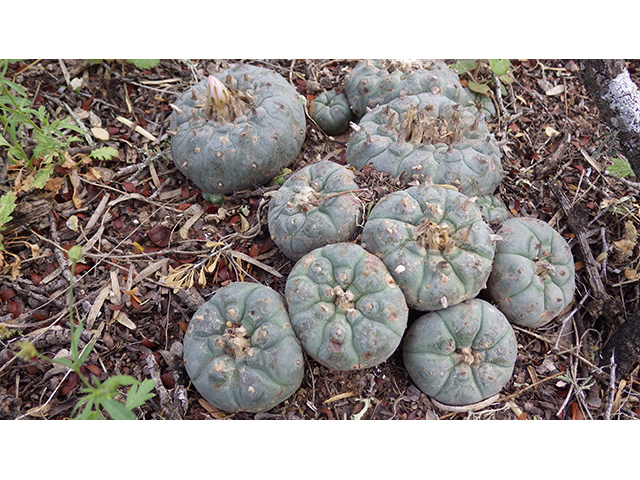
315, 206
533, 275
240, 350
434, 242
461, 355
331, 111
345, 307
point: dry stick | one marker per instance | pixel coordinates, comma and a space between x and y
498, 91
165, 399
605, 251
591, 265
552, 161
612, 387
513, 395
569, 351
53, 230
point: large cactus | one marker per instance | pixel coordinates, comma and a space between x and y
240, 134
426, 135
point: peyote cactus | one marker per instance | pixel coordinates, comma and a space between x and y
330, 110
240, 350
314, 207
238, 131
377, 82
533, 276
345, 308
434, 242
461, 355
426, 135
493, 210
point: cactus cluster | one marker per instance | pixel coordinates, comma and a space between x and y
432, 246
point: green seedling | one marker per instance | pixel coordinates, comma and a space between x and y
102, 395
501, 68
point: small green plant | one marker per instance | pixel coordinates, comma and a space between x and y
102, 395
141, 63
7, 205
31, 138
619, 168
500, 67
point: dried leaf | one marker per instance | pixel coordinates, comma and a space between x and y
215, 413
123, 319
631, 274
551, 132
36, 251
97, 307
184, 230
160, 235
100, 133
72, 223
137, 247
623, 248
77, 189
93, 175
132, 293
53, 185
630, 232
152, 268
15, 269
557, 90
340, 396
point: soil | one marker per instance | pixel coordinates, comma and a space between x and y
144, 220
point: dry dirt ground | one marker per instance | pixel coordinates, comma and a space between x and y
142, 218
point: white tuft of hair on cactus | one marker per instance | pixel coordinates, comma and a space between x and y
217, 93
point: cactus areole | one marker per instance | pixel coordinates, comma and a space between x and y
434, 242
237, 129
533, 276
240, 350
461, 355
345, 307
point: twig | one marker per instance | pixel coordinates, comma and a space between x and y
53, 231
166, 401
499, 101
562, 352
590, 263
552, 160
612, 387
605, 251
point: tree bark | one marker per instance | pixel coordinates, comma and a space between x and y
609, 85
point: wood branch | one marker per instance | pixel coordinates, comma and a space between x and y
595, 280
609, 85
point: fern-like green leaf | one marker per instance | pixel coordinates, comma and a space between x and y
144, 63
620, 168
7, 205
104, 153
139, 394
